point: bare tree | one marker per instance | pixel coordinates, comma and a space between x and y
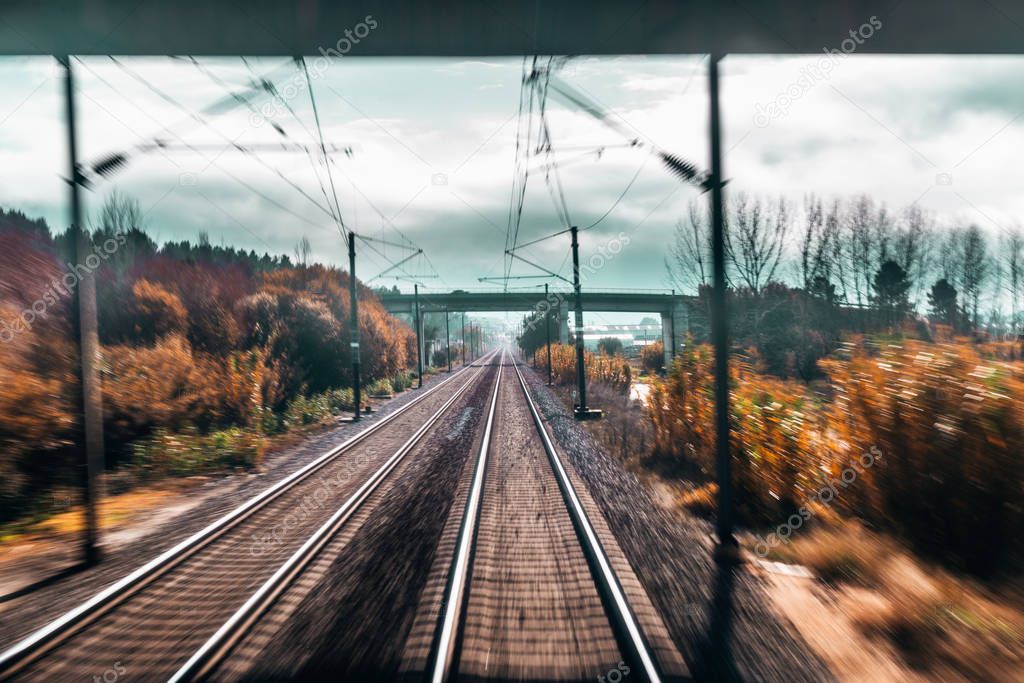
302, 252
755, 239
912, 248
966, 262
813, 246
860, 247
689, 260
835, 263
1012, 251
120, 214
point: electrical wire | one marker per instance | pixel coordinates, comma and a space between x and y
323, 149
621, 196
213, 162
167, 98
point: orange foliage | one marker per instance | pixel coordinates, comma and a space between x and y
611, 370
943, 423
652, 356
158, 312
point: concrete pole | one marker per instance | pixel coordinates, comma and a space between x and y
581, 375
547, 327
419, 339
354, 332
447, 338
87, 339
719, 329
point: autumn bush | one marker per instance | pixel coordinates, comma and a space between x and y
204, 352
949, 421
772, 437
944, 424
652, 357
613, 371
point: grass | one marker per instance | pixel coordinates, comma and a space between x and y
114, 511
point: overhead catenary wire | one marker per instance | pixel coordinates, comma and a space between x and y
268, 86
320, 132
169, 129
167, 98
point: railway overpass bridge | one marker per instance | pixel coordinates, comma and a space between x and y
673, 308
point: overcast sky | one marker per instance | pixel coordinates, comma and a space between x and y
433, 147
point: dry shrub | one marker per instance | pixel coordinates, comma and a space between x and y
612, 371
949, 424
773, 444
624, 430
944, 422
652, 357
845, 552
157, 312
944, 626
38, 415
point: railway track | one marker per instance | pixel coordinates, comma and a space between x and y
531, 593
178, 615
527, 590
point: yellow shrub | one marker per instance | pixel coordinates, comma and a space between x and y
611, 370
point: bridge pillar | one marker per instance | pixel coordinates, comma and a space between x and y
563, 321
667, 337
674, 326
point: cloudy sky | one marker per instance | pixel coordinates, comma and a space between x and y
433, 147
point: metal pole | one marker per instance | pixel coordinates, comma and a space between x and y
463, 337
719, 330
580, 370
547, 327
447, 339
87, 338
419, 342
354, 332
672, 318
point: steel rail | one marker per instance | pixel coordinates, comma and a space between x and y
219, 645
458, 577
38, 643
627, 630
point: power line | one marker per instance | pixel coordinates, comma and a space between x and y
167, 98
213, 162
319, 130
612, 207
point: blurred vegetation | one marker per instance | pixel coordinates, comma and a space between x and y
944, 420
612, 371
206, 350
652, 357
